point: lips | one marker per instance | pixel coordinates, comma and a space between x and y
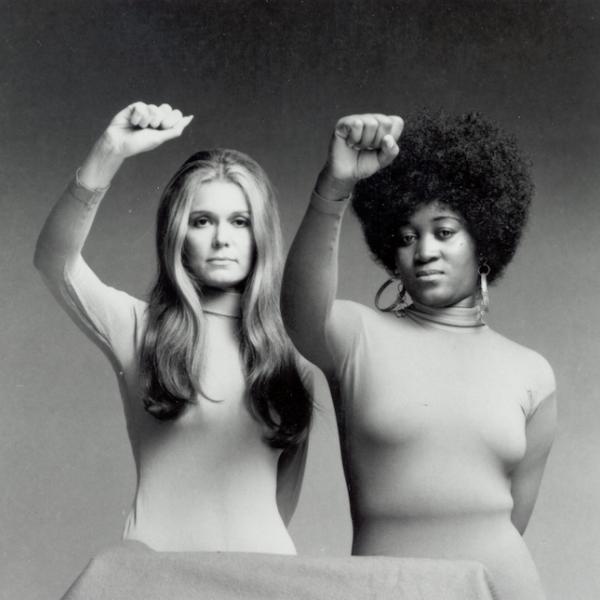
221, 260
428, 273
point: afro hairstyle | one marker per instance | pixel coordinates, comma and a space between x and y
464, 162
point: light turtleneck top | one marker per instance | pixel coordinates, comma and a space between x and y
455, 317
206, 480
222, 304
444, 424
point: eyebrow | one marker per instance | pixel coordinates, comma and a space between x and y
442, 217
211, 213
435, 219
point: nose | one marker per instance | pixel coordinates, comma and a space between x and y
221, 236
427, 249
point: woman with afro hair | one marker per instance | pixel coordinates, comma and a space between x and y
445, 425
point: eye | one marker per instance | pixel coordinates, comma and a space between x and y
445, 233
406, 239
240, 222
200, 221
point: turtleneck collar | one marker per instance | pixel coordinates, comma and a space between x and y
222, 304
453, 317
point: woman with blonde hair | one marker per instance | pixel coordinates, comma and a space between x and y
217, 408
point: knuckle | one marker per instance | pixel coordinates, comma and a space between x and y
386, 122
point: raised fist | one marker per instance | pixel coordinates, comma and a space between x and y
141, 127
360, 146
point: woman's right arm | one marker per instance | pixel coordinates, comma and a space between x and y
135, 129
360, 146
138, 128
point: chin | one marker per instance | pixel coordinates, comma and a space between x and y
435, 299
430, 298
230, 287
224, 285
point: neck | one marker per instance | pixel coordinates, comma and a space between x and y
468, 302
454, 316
222, 303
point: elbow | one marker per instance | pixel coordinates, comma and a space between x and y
41, 258
48, 262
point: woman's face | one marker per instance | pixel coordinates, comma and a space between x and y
219, 244
436, 259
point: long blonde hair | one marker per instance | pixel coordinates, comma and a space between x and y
172, 348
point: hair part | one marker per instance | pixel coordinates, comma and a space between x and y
464, 162
174, 341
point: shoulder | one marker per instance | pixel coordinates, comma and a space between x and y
346, 321
534, 367
351, 326
355, 315
86, 288
138, 306
352, 318
351, 308
123, 307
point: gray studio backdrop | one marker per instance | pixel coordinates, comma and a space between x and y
271, 78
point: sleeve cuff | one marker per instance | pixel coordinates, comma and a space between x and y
330, 207
86, 195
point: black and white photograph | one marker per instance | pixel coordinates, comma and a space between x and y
300, 300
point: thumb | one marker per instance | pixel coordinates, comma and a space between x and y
349, 130
388, 151
177, 129
342, 130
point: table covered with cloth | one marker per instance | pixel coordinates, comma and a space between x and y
132, 571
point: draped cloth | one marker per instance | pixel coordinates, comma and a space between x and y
131, 571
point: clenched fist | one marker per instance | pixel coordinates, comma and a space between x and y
360, 146
141, 127
138, 128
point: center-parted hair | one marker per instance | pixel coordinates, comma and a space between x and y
464, 162
172, 350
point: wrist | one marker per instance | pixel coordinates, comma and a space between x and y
332, 188
108, 149
101, 164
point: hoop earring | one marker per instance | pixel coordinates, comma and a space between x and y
484, 296
399, 304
